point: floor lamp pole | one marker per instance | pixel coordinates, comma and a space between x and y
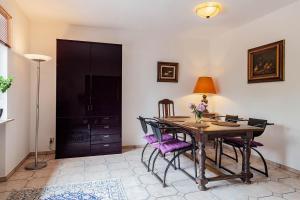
37, 165
37, 111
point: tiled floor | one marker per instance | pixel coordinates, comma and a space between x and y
139, 184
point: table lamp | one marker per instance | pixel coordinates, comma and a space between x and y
38, 59
205, 85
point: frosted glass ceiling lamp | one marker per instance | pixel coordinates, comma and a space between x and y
208, 9
37, 58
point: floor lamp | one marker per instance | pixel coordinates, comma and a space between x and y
37, 58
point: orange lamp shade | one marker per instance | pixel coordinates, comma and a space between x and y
205, 85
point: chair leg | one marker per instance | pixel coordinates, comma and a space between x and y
178, 162
216, 144
229, 156
241, 151
149, 161
266, 173
143, 152
153, 163
174, 162
167, 168
221, 153
236, 156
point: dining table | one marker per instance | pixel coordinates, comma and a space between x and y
210, 130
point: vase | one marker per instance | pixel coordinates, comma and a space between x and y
198, 118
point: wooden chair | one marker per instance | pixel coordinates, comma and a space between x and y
166, 108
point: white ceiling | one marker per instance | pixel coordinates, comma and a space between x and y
149, 15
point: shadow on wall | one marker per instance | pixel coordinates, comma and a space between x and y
276, 148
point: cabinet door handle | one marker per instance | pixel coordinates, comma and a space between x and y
106, 145
106, 136
106, 127
106, 118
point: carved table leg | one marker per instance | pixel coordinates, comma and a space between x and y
247, 175
202, 180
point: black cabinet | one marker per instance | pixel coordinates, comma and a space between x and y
89, 98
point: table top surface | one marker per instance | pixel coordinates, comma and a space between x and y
188, 123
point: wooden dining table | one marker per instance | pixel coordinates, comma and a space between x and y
203, 134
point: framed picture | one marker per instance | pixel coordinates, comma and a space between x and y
266, 63
167, 72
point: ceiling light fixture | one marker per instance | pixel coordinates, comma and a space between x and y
208, 9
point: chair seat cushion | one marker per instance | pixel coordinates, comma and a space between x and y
152, 139
171, 145
238, 142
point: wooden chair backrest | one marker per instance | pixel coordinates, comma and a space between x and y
166, 108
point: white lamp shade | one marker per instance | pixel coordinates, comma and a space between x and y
208, 9
37, 57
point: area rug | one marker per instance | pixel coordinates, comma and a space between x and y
111, 189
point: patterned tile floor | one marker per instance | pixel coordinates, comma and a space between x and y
139, 184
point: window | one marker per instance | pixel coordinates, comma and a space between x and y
3, 72
5, 29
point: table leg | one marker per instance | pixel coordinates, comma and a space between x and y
247, 175
202, 180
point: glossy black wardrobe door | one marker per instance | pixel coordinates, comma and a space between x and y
106, 93
73, 78
73, 96
73, 137
89, 88
106, 70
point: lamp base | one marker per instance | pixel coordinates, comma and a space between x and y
204, 100
36, 166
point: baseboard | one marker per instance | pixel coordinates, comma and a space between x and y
43, 153
5, 178
129, 147
132, 146
269, 162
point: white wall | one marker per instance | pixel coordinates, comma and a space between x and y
17, 132
276, 101
224, 57
141, 92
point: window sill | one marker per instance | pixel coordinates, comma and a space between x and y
4, 121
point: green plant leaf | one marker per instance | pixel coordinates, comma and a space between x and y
5, 83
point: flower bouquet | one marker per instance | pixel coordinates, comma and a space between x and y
198, 110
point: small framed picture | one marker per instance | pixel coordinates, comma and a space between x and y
167, 72
266, 63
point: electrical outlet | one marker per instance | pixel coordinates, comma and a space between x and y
51, 141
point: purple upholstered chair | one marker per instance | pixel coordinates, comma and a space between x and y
150, 139
175, 146
238, 143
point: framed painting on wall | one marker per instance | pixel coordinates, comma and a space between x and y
266, 63
167, 72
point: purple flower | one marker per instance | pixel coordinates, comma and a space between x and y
201, 107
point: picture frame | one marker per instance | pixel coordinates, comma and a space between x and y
167, 72
267, 63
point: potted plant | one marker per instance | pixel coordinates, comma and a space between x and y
5, 83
